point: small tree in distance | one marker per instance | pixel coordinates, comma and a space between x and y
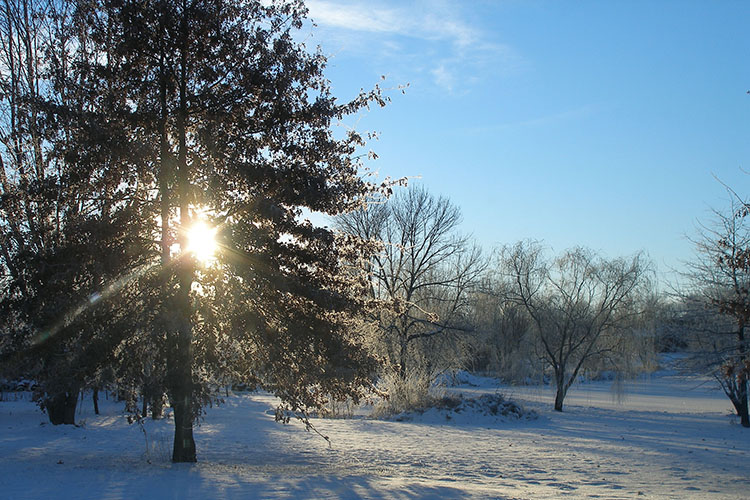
579, 304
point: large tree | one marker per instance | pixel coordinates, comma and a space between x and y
224, 120
425, 273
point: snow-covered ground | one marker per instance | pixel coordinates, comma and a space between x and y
664, 437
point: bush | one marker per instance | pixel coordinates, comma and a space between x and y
415, 392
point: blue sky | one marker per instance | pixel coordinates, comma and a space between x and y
591, 123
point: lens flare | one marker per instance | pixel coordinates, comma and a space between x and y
201, 242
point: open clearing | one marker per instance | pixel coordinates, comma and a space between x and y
667, 437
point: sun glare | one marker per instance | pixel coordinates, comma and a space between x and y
202, 242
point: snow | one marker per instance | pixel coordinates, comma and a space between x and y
666, 436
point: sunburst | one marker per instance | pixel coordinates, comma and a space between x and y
201, 242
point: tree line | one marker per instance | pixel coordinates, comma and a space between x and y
526, 315
517, 311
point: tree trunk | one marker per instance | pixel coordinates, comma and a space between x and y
182, 377
560, 393
181, 369
61, 407
559, 397
402, 361
181, 382
183, 449
742, 409
95, 397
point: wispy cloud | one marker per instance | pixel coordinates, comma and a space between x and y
446, 48
416, 20
353, 17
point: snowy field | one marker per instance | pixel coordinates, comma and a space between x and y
665, 437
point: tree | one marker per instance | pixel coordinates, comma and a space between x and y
61, 232
223, 119
579, 304
425, 271
718, 299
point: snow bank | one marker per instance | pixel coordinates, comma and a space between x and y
459, 409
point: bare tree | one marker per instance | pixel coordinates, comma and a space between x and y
719, 289
578, 304
425, 271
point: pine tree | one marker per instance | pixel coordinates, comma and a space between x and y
222, 116
158, 115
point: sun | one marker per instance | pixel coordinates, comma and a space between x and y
201, 242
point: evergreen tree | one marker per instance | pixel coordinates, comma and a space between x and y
208, 111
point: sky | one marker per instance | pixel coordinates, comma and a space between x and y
613, 125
